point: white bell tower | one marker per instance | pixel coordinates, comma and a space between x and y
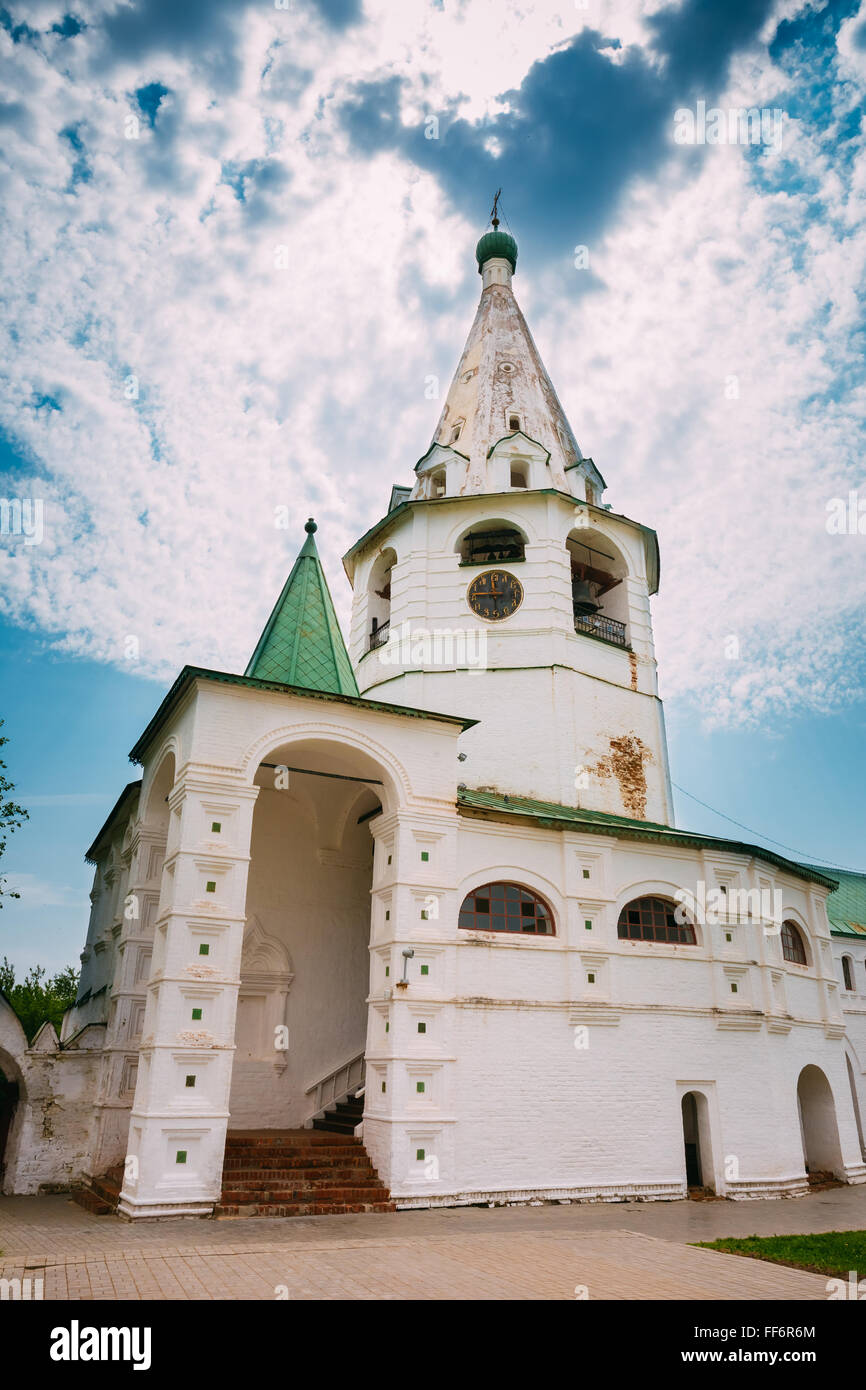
501, 587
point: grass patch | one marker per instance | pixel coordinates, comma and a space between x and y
829, 1252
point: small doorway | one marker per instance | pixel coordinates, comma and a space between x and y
691, 1136
697, 1143
8, 1102
822, 1154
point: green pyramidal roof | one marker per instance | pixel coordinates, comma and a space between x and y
302, 643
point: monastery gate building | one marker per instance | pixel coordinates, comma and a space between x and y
417, 909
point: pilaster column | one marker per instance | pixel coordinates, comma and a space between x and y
180, 1113
409, 1110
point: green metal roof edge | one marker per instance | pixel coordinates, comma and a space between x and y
384, 521
595, 469
90, 856
513, 435
436, 445
551, 815
191, 673
841, 925
300, 574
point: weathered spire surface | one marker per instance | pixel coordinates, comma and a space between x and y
302, 643
501, 386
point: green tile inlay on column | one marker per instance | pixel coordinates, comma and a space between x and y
419, 1153
425, 856
196, 1014
216, 827
181, 1156
210, 886
422, 1027
190, 1081
204, 949
425, 969
588, 924
419, 1086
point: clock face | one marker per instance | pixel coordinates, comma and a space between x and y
494, 595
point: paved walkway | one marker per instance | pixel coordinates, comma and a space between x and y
612, 1251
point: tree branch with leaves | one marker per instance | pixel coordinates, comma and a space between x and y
12, 817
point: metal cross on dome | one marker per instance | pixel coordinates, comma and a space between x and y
494, 216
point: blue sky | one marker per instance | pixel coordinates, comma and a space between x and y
234, 257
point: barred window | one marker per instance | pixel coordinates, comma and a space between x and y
792, 944
506, 907
652, 919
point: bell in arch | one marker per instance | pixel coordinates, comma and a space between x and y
582, 598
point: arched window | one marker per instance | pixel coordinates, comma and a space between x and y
652, 919
506, 907
518, 475
792, 944
848, 972
491, 544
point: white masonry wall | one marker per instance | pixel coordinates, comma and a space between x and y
545, 1083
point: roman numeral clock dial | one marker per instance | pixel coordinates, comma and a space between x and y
494, 595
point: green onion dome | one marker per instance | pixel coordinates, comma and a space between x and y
496, 244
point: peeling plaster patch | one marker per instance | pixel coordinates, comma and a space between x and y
626, 763
632, 662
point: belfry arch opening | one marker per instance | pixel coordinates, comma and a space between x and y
598, 591
818, 1126
491, 543
305, 967
379, 599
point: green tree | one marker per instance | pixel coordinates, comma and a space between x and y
36, 998
12, 817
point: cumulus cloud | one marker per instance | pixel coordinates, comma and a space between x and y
233, 259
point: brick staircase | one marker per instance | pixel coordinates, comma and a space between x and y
300, 1172
345, 1116
102, 1193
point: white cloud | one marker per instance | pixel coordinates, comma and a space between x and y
261, 386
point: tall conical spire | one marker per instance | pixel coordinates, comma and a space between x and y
302, 643
501, 386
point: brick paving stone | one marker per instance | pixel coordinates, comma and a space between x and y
619, 1251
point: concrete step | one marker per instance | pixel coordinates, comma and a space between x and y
230, 1210
97, 1206
372, 1192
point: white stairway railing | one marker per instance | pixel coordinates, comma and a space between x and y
338, 1085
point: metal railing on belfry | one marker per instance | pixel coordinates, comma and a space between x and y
379, 636
608, 629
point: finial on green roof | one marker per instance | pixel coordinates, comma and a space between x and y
302, 643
